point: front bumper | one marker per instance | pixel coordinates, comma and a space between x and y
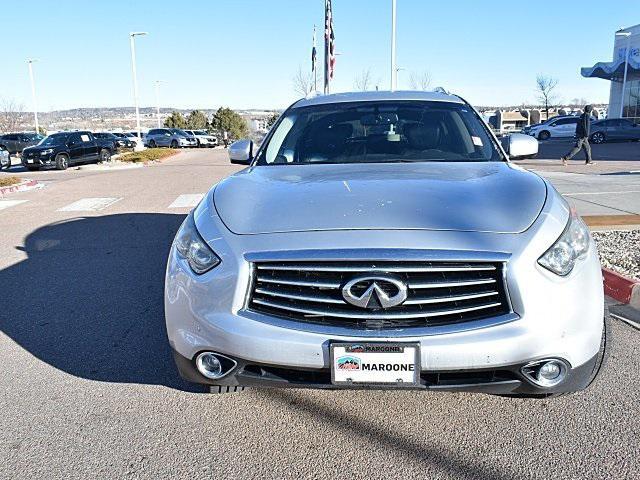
552, 317
504, 380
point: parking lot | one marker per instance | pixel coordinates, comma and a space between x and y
89, 389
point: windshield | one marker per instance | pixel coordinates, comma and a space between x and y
53, 140
200, 132
377, 132
180, 132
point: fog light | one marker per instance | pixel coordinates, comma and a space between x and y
209, 365
214, 365
549, 371
546, 373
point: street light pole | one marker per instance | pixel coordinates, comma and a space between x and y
394, 71
33, 94
132, 36
626, 66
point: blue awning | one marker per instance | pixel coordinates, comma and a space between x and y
610, 70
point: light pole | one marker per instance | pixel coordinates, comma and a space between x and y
157, 85
33, 93
626, 66
132, 36
394, 70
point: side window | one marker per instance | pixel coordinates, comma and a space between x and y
74, 139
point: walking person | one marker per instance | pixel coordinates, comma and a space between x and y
583, 130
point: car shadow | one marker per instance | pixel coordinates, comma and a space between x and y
401, 445
88, 299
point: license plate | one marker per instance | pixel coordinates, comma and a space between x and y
396, 364
29, 160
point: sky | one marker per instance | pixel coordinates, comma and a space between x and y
244, 53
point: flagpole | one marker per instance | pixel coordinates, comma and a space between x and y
394, 70
315, 69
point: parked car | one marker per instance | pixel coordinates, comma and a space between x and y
117, 141
61, 150
5, 159
14, 143
124, 140
384, 240
203, 138
556, 127
169, 137
614, 129
525, 130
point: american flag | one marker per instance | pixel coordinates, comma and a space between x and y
329, 45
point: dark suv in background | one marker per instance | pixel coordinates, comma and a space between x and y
14, 143
63, 149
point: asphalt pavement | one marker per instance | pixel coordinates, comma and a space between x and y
88, 388
609, 151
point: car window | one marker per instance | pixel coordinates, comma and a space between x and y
75, 138
153, 132
367, 132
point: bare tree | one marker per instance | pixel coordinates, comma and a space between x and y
545, 87
302, 82
363, 80
11, 115
420, 80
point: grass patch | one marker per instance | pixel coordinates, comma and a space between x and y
147, 155
10, 180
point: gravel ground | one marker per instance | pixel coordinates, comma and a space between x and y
620, 251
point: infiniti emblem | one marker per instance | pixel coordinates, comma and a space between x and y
379, 292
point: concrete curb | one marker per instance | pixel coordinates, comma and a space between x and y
623, 289
21, 187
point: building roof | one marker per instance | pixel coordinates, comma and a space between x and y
610, 70
378, 96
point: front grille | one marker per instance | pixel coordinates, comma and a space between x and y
438, 293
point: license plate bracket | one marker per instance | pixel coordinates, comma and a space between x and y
391, 364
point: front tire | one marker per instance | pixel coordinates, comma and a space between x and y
62, 162
174, 144
598, 137
105, 155
544, 135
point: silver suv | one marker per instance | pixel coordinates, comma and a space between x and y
384, 240
169, 137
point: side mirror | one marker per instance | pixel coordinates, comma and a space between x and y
521, 146
241, 152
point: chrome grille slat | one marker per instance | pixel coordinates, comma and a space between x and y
452, 298
322, 268
304, 298
481, 281
438, 293
373, 316
300, 283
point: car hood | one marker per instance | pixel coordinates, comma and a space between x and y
464, 196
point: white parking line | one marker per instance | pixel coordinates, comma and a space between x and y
187, 200
90, 204
10, 203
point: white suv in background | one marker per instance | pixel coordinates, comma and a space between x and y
556, 127
203, 138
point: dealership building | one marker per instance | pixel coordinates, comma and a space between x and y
626, 58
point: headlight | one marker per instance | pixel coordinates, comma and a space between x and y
48, 151
572, 245
192, 247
